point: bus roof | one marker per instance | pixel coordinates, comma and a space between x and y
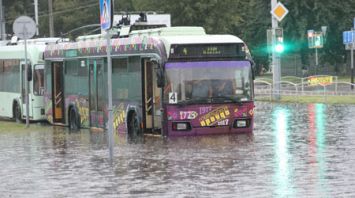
202, 39
34, 52
205, 39
186, 35
157, 40
170, 31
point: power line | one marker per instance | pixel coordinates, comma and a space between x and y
58, 12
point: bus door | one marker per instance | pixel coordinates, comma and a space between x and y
97, 94
152, 115
23, 88
58, 92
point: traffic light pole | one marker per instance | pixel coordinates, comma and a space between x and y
276, 71
352, 65
316, 61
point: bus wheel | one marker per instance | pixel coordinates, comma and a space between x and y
17, 113
73, 120
134, 129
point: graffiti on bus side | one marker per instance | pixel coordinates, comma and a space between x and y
243, 111
188, 115
119, 118
217, 115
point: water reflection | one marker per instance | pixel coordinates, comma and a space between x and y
317, 119
282, 154
295, 151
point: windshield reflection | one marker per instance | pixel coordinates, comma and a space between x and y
208, 82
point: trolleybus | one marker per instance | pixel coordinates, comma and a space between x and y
169, 80
13, 82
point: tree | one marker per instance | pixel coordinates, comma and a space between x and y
249, 20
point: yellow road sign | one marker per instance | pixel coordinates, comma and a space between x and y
279, 11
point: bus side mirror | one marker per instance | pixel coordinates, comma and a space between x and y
29, 73
159, 72
253, 69
160, 77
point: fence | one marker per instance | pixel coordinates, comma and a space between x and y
292, 65
320, 85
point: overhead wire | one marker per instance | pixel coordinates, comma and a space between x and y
60, 11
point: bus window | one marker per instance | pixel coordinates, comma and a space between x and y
38, 80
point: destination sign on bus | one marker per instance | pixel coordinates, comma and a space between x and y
207, 50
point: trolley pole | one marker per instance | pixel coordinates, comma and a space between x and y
276, 73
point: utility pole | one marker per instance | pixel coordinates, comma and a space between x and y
276, 71
352, 64
36, 16
51, 24
2, 22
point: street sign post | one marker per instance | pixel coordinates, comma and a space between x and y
278, 12
106, 18
25, 28
315, 41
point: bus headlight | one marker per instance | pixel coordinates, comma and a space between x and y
181, 126
243, 123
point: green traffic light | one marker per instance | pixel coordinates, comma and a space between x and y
279, 48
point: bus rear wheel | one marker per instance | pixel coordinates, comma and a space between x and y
74, 124
134, 129
17, 113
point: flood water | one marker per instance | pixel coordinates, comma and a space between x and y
295, 151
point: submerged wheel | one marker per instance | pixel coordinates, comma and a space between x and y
17, 113
73, 120
134, 129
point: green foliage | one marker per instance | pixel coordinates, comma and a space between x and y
247, 19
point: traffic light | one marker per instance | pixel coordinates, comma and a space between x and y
318, 40
310, 36
279, 45
315, 39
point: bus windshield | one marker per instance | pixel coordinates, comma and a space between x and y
208, 82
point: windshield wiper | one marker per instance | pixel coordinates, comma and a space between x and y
226, 99
197, 100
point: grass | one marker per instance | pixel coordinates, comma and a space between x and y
330, 99
268, 78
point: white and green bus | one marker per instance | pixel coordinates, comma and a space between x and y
13, 82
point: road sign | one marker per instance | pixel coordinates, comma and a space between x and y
106, 14
279, 11
348, 37
315, 39
24, 27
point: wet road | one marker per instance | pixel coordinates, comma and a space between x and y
296, 151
